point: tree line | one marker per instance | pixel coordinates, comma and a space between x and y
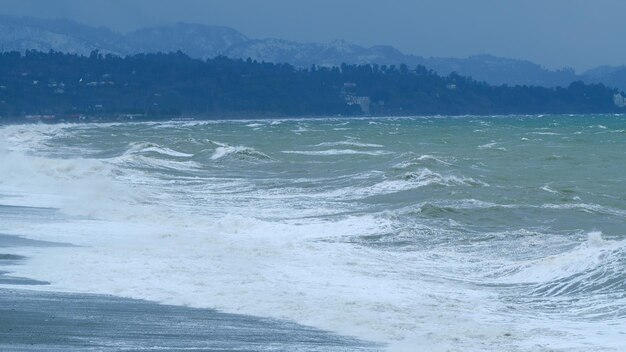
173, 84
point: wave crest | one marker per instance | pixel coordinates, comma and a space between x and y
331, 152
240, 152
147, 147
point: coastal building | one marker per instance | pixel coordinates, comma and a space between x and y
348, 88
348, 91
619, 100
363, 102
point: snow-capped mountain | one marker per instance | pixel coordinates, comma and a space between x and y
306, 54
194, 40
494, 70
21, 34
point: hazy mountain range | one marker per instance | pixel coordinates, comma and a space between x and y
202, 41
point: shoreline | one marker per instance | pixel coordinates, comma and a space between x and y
57, 321
54, 321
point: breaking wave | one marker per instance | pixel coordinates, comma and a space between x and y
145, 147
349, 144
421, 160
433, 243
331, 152
239, 152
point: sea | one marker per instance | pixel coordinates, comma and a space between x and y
501, 233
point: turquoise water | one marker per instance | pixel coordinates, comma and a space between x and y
466, 233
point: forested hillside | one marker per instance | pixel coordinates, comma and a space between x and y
169, 85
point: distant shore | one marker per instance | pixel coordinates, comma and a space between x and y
53, 85
254, 117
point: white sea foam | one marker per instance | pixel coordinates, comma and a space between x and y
240, 151
47, 182
301, 129
132, 246
410, 181
422, 159
350, 144
548, 189
588, 208
142, 161
427, 177
244, 265
544, 133
492, 146
308, 248
331, 152
27, 138
137, 148
587, 256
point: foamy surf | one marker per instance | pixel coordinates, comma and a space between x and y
238, 151
415, 241
140, 148
332, 152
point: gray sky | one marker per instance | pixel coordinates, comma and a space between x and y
554, 33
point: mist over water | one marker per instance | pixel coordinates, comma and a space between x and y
453, 234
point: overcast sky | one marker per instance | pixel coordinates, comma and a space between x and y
554, 33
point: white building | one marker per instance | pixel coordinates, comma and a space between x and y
363, 102
619, 100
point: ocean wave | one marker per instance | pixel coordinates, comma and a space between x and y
421, 160
548, 189
286, 243
27, 169
409, 181
349, 144
445, 207
331, 152
239, 152
588, 208
144, 161
77, 187
585, 281
453, 206
427, 177
595, 254
212, 142
545, 133
30, 138
301, 129
146, 147
492, 146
